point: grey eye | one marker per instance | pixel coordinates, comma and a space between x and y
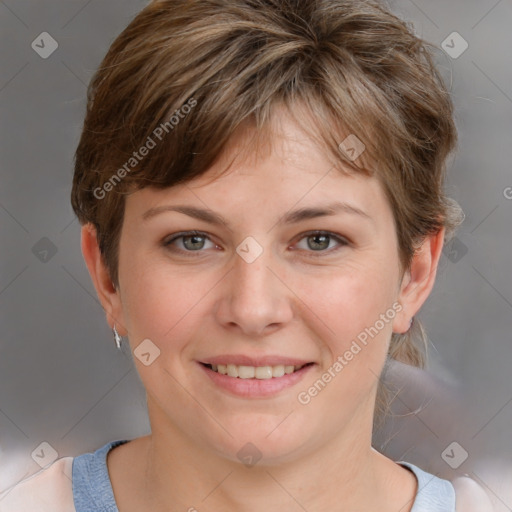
318, 242
193, 242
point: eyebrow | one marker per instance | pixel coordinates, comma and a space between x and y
292, 217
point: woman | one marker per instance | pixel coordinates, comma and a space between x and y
260, 188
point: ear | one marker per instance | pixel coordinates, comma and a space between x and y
105, 289
418, 280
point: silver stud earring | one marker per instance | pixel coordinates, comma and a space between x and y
117, 338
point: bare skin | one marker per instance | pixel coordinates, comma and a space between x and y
294, 300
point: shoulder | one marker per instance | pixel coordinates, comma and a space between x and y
470, 497
462, 494
48, 490
433, 493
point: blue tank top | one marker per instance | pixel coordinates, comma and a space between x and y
92, 489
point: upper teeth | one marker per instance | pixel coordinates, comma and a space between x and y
251, 372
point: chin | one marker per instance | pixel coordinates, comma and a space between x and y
264, 440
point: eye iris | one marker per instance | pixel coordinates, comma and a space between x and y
197, 242
319, 242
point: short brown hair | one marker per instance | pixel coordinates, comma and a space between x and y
357, 68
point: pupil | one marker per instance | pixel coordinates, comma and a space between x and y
319, 242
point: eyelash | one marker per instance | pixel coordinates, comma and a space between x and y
342, 241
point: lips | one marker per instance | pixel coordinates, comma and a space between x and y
254, 377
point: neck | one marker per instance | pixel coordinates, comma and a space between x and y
344, 473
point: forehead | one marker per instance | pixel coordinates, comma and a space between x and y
275, 170
291, 133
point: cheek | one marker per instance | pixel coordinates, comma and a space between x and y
355, 313
159, 303
351, 300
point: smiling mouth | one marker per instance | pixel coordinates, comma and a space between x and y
254, 372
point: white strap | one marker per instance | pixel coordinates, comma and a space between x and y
48, 490
470, 497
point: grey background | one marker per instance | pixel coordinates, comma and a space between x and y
61, 378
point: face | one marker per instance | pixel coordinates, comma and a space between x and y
283, 272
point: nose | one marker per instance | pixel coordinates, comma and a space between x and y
254, 301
